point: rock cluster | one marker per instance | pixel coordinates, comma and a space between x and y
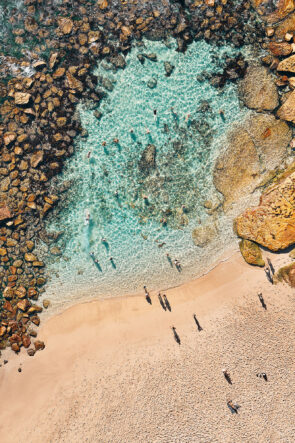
272, 223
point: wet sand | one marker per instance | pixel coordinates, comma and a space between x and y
112, 371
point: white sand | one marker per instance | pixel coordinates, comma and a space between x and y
112, 372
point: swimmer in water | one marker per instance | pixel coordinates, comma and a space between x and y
221, 113
187, 117
116, 140
155, 114
88, 154
104, 143
147, 131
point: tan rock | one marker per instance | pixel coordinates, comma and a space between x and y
287, 110
292, 254
8, 293
258, 90
46, 303
287, 65
39, 64
55, 250
286, 274
59, 73
38, 264
274, 14
30, 257
36, 158
9, 137
30, 245
204, 234
2, 330
272, 223
61, 121
93, 36
3, 252
53, 60
280, 48
15, 347
286, 26
103, 4
31, 352
4, 212
21, 292
26, 341
251, 253
65, 25
23, 304
39, 345
22, 98
73, 83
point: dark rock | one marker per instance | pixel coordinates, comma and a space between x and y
152, 83
152, 57
141, 58
147, 161
168, 68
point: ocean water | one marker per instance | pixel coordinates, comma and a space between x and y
140, 214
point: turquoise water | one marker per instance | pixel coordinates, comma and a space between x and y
112, 183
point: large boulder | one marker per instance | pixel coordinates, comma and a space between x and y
255, 146
272, 223
287, 25
258, 90
251, 253
274, 11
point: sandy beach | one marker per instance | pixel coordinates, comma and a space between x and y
112, 371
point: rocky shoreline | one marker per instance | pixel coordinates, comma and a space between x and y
59, 45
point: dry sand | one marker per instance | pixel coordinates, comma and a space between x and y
112, 372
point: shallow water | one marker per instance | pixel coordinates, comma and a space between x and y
111, 184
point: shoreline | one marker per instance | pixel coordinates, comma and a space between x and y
88, 343
57, 308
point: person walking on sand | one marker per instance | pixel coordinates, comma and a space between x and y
234, 408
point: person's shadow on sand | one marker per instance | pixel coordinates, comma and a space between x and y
197, 323
176, 336
161, 302
168, 306
148, 298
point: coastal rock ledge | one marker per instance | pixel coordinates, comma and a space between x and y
272, 223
